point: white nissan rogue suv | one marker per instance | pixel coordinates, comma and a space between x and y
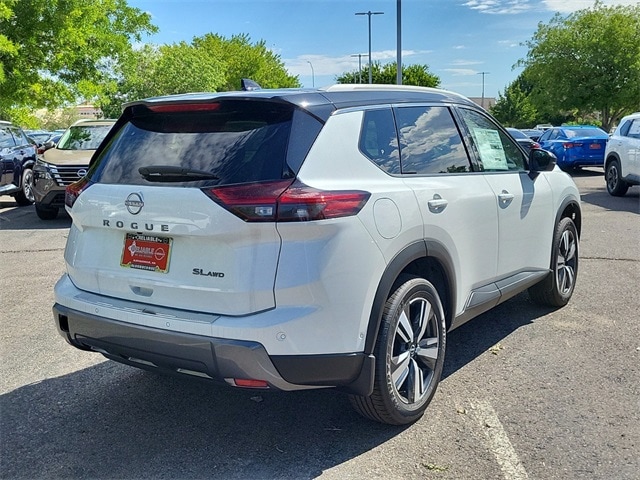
295, 239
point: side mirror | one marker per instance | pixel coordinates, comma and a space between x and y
541, 160
48, 145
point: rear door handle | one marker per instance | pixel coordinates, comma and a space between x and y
437, 204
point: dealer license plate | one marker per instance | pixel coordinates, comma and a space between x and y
146, 252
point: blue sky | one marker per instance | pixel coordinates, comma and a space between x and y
316, 39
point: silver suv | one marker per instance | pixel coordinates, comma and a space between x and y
622, 156
295, 239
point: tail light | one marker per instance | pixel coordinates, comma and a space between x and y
287, 201
535, 145
568, 145
73, 191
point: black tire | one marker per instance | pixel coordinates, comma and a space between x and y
557, 288
46, 213
25, 196
616, 186
412, 338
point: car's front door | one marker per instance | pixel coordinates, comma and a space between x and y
523, 200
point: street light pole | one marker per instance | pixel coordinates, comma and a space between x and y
369, 13
313, 75
359, 55
483, 74
399, 43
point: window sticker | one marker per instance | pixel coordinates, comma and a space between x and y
491, 149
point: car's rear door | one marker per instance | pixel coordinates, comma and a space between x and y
457, 205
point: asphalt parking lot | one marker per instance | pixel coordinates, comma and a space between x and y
527, 392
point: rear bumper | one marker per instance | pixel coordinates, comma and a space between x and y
580, 161
209, 358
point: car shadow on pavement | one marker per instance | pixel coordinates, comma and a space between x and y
25, 218
480, 334
114, 421
628, 203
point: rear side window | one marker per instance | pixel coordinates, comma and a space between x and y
234, 141
6, 139
379, 141
430, 142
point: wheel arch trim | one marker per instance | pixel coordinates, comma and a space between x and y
419, 250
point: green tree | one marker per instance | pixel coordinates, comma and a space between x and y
52, 51
514, 107
242, 59
588, 61
417, 75
210, 63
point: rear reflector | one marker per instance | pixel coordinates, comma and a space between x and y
249, 383
287, 201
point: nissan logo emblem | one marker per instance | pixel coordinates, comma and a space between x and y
134, 203
82, 172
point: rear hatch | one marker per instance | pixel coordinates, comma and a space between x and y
177, 207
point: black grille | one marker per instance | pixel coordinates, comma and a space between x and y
67, 174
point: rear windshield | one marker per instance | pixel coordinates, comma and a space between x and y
585, 132
234, 141
83, 137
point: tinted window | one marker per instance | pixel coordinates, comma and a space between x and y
430, 141
584, 132
379, 141
237, 142
634, 128
83, 137
517, 134
6, 139
495, 149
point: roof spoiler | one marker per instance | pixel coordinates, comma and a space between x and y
249, 85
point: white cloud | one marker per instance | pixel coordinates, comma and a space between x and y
509, 7
325, 65
568, 6
500, 7
460, 72
462, 63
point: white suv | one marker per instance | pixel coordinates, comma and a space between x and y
295, 239
622, 156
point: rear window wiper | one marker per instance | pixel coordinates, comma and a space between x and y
168, 173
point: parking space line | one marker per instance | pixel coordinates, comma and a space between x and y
501, 447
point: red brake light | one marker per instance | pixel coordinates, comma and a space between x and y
184, 107
571, 145
73, 191
286, 201
302, 203
535, 145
